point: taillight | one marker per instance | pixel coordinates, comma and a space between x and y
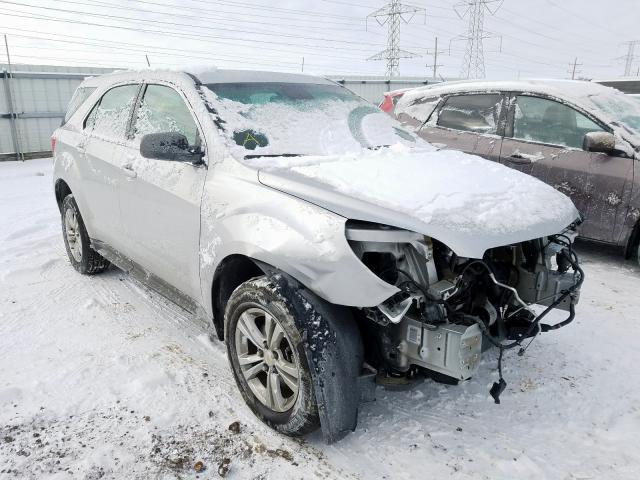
53, 143
387, 104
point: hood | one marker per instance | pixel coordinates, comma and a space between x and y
468, 203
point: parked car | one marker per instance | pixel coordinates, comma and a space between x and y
325, 245
580, 137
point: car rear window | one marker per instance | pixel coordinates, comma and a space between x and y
81, 94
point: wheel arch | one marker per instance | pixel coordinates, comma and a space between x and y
229, 274
61, 189
632, 244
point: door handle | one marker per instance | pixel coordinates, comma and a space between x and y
518, 159
128, 170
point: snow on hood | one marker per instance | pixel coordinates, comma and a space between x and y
466, 202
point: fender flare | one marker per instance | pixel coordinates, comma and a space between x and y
334, 351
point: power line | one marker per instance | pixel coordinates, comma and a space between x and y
177, 24
392, 14
473, 63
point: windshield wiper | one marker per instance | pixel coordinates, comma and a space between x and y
248, 157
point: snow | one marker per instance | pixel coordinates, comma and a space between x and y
306, 127
102, 378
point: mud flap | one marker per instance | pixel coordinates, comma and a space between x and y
334, 351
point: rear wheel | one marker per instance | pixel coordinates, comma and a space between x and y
268, 359
76, 240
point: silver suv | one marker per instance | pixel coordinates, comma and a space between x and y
327, 247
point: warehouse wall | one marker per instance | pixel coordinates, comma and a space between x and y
39, 97
373, 88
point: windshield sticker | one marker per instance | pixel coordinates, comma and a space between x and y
250, 139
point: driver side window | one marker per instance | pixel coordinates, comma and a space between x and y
542, 120
163, 110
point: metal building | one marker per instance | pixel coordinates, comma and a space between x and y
372, 88
33, 100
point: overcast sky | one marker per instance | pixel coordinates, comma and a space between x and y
534, 38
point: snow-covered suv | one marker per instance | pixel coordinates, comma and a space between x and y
328, 247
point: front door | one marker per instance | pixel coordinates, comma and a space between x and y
471, 123
160, 201
544, 138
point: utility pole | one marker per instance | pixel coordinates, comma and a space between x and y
630, 57
436, 65
8, 83
573, 67
473, 63
303, 64
392, 15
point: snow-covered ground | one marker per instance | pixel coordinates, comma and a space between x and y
102, 378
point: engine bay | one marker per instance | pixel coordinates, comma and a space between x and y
450, 309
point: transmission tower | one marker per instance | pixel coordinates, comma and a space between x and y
630, 57
392, 14
473, 63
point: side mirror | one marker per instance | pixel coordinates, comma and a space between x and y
170, 146
599, 142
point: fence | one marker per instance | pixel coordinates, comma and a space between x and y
33, 100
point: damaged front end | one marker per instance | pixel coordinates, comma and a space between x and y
449, 308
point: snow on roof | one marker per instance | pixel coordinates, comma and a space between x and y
206, 75
560, 88
256, 76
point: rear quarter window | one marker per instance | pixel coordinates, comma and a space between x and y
472, 113
79, 97
415, 110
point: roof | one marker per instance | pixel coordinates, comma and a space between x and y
256, 76
206, 76
558, 88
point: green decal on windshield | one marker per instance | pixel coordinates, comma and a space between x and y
250, 139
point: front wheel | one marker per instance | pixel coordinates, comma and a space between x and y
268, 359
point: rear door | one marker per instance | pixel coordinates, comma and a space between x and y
470, 122
105, 129
160, 201
544, 138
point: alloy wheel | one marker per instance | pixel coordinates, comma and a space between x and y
267, 360
72, 233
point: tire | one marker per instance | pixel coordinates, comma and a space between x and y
76, 240
257, 313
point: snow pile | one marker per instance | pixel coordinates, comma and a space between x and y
445, 189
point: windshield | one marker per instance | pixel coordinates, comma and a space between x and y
301, 119
622, 109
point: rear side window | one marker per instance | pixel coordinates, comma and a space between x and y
547, 121
471, 113
163, 110
110, 116
79, 97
